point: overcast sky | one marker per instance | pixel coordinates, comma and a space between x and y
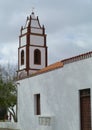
68, 26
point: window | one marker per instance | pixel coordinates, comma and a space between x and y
37, 104
37, 57
22, 57
85, 109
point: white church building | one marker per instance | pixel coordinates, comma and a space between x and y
54, 97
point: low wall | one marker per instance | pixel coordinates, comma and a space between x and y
8, 126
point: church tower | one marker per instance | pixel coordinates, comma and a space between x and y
32, 51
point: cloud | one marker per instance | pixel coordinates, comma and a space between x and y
68, 26
8, 54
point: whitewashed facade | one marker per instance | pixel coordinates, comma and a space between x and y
59, 97
55, 97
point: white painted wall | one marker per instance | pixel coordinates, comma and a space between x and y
32, 65
36, 30
34, 23
27, 23
33, 16
22, 73
9, 125
23, 40
24, 30
59, 90
37, 40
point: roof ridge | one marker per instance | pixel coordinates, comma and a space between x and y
60, 64
77, 58
50, 67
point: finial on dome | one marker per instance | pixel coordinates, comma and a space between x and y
33, 10
33, 14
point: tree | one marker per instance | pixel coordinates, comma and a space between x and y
8, 93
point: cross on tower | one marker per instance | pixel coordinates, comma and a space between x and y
33, 9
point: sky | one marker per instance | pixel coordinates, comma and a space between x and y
68, 25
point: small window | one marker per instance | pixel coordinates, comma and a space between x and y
37, 57
37, 104
22, 57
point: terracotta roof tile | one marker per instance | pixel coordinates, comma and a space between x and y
61, 64
50, 67
77, 58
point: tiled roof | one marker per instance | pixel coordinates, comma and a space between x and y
49, 68
61, 64
77, 58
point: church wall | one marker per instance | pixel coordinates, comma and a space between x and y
36, 30
23, 39
37, 40
34, 23
59, 95
24, 31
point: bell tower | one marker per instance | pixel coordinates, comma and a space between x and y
32, 51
